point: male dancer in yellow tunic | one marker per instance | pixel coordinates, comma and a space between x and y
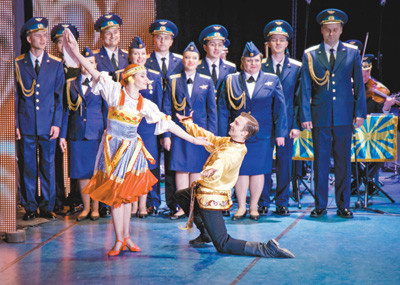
211, 194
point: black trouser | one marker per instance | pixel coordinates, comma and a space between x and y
170, 185
212, 222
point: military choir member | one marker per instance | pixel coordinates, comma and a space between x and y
278, 33
260, 94
110, 58
190, 91
212, 38
84, 122
154, 92
74, 198
332, 104
168, 63
38, 105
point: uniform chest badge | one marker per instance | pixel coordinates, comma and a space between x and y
269, 83
204, 87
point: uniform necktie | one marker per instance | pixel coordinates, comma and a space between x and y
164, 67
37, 66
189, 81
250, 80
332, 58
114, 62
214, 73
86, 82
278, 69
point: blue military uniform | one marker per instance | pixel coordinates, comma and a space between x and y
172, 66
331, 98
267, 105
84, 122
154, 93
74, 197
38, 107
224, 67
289, 76
104, 62
175, 60
185, 156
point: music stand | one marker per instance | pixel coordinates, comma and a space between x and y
296, 187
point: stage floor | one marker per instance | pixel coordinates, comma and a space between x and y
329, 250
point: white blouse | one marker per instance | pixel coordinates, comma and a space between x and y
111, 90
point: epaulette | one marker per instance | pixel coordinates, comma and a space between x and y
96, 51
55, 58
153, 71
124, 51
272, 74
71, 79
175, 76
295, 62
311, 48
205, 76
229, 63
20, 57
350, 46
178, 55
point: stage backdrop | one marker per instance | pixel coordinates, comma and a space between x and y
136, 18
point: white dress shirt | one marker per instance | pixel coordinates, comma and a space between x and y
190, 86
252, 85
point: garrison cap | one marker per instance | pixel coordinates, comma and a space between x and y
250, 50
278, 27
107, 21
58, 30
163, 26
87, 52
137, 43
191, 47
330, 16
33, 25
213, 32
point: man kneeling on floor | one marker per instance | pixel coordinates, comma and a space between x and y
211, 194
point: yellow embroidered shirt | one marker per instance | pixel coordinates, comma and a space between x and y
226, 156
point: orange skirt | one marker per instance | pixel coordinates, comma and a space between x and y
113, 193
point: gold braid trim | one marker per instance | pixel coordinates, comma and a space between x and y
177, 106
231, 96
27, 93
320, 81
72, 106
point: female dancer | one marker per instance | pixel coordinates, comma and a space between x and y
121, 173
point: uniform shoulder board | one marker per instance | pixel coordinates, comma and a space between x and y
96, 51
55, 58
350, 46
178, 55
295, 62
124, 51
229, 63
205, 76
264, 60
20, 57
270, 74
153, 71
175, 76
311, 48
